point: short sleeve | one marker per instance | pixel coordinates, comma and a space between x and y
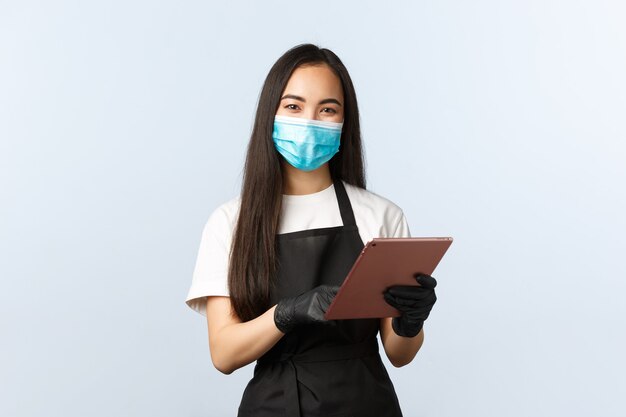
402, 227
210, 274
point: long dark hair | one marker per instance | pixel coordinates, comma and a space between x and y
253, 260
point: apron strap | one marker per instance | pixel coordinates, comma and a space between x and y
345, 208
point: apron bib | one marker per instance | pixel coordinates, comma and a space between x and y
321, 370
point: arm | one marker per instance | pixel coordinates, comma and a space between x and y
400, 350
234, 344
403, 336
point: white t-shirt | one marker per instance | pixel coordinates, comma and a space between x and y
375, 216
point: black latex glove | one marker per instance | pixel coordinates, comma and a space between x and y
308, 307
413, 302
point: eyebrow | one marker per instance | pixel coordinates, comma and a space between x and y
326, 100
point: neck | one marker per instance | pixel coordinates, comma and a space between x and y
298, 182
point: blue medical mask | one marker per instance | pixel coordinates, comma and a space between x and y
306, 144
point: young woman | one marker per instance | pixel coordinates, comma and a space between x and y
272, 259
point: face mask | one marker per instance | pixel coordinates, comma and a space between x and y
306, 144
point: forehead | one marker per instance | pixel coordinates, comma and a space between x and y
314, 81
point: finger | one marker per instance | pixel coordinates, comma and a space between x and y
426, 281
328, 295
390, 299
423, 306
404, 303
393, 301
330, 288
418, 315
419, 301
409, 291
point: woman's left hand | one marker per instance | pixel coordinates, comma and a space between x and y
413, 302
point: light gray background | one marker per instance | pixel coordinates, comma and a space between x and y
123, 124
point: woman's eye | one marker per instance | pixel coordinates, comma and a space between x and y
328, 108
292, 106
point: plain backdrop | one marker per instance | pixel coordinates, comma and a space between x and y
123, 124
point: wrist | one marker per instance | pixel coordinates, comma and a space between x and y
404, 329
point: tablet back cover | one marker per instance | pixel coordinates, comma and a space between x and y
384, 262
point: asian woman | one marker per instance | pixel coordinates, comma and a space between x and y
272, 259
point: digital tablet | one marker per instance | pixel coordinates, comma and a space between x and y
384, 262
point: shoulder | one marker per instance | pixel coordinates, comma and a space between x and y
376, 215
370, 202
223, 217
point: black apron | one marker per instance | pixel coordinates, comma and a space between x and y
321, 369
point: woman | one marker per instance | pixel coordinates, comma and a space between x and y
271, 260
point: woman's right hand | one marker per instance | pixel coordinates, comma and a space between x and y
308, 307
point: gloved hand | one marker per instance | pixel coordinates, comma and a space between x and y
308, 307
413, 302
